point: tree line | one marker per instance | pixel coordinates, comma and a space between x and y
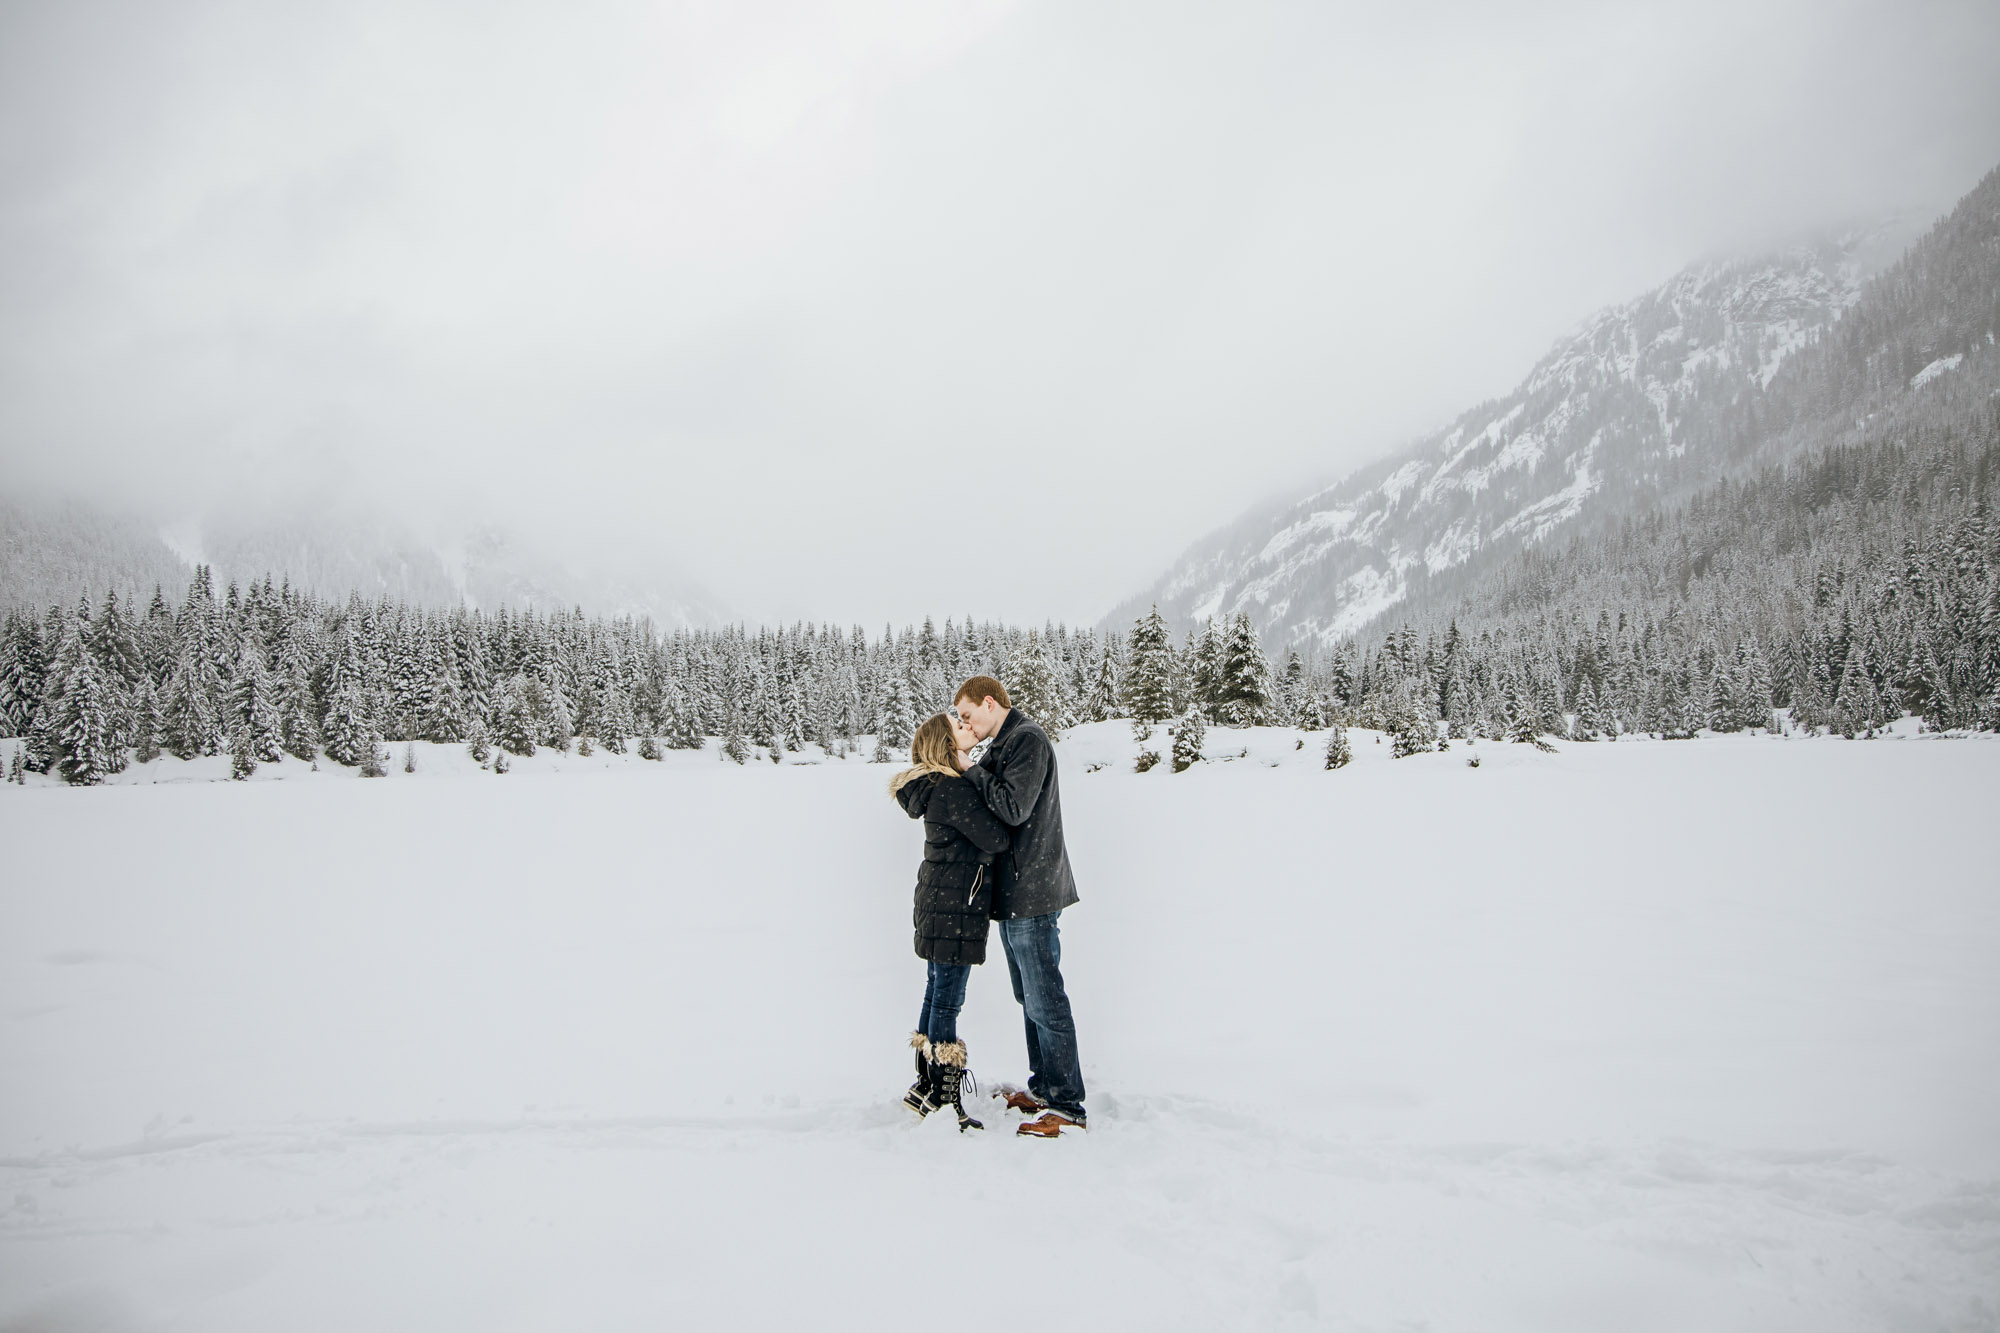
1852, 587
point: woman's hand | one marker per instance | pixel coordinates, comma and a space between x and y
963, 758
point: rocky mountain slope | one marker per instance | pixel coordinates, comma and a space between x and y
1643, 403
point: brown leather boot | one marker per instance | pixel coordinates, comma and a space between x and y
1023, 1101
1049, 1126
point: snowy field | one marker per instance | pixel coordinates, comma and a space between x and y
1645, 1036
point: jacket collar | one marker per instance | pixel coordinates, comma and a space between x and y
1014, 716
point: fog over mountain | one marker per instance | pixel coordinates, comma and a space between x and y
1728, 368
753, 297
1602, 426
52, 551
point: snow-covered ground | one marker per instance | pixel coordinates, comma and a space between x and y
1637, 1036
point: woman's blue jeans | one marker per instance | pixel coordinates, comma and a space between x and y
944, 996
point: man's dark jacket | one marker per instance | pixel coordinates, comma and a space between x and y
955, 883
1017, 778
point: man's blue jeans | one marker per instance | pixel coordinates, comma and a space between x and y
944, 996
1034, 964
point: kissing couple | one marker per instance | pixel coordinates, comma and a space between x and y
993, 851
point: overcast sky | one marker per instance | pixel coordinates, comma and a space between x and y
858, 311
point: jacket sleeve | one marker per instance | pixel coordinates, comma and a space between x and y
970, 816
1012, 793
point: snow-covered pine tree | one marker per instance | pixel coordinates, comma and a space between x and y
794, 714
349, 726
1925, 691
1149, 677
1031, 683
1811, 705
614, 720
1524, 718
1589, 723
1312, 710
552, 708
242, 753
445, 717
678, 725
475, 673
1340, 680
299, 711
409, 676
477, 743
85, 733
1855, 699
516, 727
298, 724
1205, 669
1459, 697
374, 759
111, 639
1102, 705
252, 707
1546, 679
1413, 729
736, 748
1756, 689
193, 721
898, 722
147, 723
1338, 752
649, 747
1291, 686
1242, 695
1189, 730
20, 672
1692, 716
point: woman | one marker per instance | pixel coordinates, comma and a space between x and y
954, 891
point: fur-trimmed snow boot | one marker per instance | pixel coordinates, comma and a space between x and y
918, 1098
948, 1080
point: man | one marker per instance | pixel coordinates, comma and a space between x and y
1032, 884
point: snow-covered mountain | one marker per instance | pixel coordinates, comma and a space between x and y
1638, 404
53, 552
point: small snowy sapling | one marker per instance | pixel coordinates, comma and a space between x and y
242, 753
1189, 732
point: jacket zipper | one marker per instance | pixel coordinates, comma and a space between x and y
974, 892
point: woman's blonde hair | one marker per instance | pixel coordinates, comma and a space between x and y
931, 750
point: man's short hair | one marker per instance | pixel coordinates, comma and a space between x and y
979, 689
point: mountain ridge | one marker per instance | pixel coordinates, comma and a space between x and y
1602, 423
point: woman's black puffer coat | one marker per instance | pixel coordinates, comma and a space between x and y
955, 882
